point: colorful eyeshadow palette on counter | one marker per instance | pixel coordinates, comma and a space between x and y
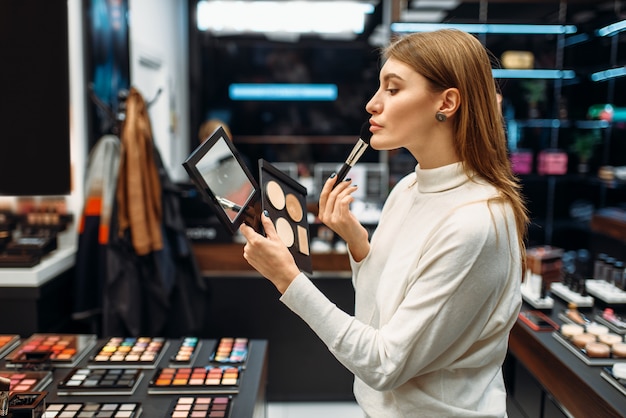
8, 343
27, 381
89, 381
142, 352
285, 200
197, 380
187, 352
93, 410
66, 350
201, 407
230, 351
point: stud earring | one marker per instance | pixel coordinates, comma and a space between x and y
440, 117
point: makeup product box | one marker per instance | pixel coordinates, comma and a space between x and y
545, 261
27, 405
552, 162
522, 161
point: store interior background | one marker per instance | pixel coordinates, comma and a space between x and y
168, 58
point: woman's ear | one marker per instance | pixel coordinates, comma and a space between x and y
451, 100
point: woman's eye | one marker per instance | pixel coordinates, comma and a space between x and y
392, 91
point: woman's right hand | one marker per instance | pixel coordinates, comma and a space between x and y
334, 212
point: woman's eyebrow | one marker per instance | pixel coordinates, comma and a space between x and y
389, 76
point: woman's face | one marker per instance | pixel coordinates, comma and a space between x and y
403, 109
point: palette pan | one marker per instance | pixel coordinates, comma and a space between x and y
141, 352
285, 201
65, 350
196, 380
89, 381
27, 381
93, 409
201, 407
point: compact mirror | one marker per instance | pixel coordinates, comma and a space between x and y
224, 181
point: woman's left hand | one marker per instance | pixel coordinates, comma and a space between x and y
269, 255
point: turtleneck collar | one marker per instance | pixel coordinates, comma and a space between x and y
441, 178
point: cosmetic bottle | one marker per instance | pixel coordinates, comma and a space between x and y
598, 266
608, 268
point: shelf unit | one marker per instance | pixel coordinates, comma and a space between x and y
552, 196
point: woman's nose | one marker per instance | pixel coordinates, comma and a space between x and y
372, 105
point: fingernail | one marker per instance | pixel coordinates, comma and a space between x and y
332, 176
348, 179
266, 213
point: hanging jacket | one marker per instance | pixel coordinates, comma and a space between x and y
153, 286
135, 271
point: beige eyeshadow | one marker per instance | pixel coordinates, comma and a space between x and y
294, 208
275, 194
303, 240
285, 232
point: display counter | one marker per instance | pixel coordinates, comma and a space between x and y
39, 298
246, 400
574, 386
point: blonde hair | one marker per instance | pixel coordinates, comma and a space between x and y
209, 126
452, 58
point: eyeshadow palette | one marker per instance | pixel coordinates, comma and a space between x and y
285, 200
93, 409
201, 407
66, 350
142, 352
27, 381
198, 380
89, 381
8, 343
230, 350
187, 352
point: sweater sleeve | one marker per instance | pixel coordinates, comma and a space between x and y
458, 306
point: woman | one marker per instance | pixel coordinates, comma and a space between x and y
437, 288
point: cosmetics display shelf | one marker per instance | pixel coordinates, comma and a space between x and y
51, 265
248, 400
536, 301
562, 291
606, 292
579, 388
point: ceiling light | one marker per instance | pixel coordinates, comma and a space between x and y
608, 74
435, 4
405, 27
281, 92
422, 15
552, 74
319, 17
612, 29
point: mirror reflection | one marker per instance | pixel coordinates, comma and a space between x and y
225, 178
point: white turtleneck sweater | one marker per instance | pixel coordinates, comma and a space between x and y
436, 298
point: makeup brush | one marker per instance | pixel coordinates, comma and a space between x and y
357, 152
